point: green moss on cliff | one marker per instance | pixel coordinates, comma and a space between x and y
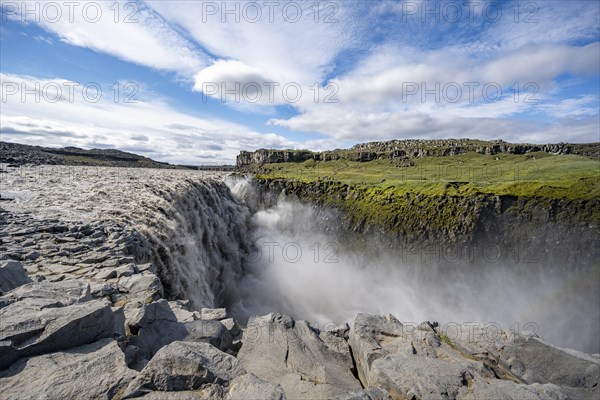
448, 198
532, 175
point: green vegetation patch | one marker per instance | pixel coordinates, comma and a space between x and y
532, 175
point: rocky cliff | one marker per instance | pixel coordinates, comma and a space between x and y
407, 149
557, 232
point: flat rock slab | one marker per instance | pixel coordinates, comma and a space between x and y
29, 327
290, 353
93, 371
63, 293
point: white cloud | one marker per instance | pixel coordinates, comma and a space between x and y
543, 63
370, 98
238, 83
571, 108
174, 136
282, 50
353, 126
126, 30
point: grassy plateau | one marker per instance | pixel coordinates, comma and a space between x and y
536, 174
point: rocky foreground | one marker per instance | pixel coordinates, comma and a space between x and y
101, 297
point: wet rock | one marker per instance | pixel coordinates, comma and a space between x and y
12, 275
93, 371
183, 366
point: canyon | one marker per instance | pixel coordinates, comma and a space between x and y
184, 284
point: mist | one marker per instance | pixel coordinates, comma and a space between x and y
307, 266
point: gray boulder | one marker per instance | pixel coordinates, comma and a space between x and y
156, 326
367, 337
533, 360
466, 362
290, 353
142, 287
182, 313
182, 366
12, 275
213, 313
406, 376
29, 328
529, 359
93, 371
158, 311
250, 387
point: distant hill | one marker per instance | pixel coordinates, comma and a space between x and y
20, 154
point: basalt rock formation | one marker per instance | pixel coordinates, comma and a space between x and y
408, 149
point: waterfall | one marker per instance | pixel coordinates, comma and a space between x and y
199, 239
224, 243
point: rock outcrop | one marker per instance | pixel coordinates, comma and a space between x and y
35, 326
407, 149
184, 366
422, 362
306, 363
92, 371
158, 326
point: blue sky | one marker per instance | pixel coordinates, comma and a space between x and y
196, 82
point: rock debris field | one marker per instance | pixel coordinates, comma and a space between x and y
102, 297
